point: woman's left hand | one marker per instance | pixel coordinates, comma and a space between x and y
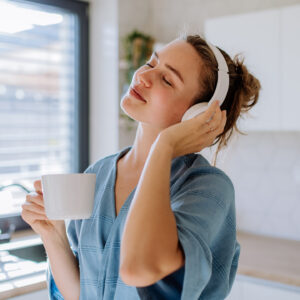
193, 135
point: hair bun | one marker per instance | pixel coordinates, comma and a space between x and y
249, 85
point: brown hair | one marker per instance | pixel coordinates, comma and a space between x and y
243, 89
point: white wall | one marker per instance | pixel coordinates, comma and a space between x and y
103, 78
170, 17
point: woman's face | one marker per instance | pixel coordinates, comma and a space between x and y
168, 82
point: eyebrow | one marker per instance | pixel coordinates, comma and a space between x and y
177, 73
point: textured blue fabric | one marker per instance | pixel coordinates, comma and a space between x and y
203, 202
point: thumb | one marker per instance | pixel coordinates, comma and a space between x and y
38, 186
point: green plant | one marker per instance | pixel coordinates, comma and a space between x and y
138, 49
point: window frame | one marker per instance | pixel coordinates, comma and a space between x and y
81, 118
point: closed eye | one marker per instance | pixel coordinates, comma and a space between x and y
163, 77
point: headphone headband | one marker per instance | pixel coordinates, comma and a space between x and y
221, 87
223, 77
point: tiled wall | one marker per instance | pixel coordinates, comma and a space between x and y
265, 170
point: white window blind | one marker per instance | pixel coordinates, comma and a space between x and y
37, 93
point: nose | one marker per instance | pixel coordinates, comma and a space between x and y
144, 77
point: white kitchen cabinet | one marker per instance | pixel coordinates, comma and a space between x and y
269, 41
249, 288
290, 46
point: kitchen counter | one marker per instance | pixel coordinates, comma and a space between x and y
262, 257
269, 258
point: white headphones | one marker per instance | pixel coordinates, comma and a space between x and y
220, 91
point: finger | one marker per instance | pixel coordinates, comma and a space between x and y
38, 186
221, 126
217, 118
34, 208
224, 118
214, 132
209, 113
29, 216
35, 198
215, 121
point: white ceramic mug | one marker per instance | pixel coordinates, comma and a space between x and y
69, 196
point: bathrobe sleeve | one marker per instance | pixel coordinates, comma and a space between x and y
204, 209
72, 228
203, 206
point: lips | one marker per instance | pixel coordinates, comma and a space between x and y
135, 92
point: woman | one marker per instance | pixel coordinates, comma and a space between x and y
163, 224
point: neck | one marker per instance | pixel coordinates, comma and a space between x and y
144, 138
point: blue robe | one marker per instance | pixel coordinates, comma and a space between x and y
203, 202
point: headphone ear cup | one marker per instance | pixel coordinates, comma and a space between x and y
195, 110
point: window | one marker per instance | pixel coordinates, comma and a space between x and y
43, 94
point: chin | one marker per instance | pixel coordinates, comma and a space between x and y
128, 109
127, 113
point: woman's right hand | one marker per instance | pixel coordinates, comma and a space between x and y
33, 213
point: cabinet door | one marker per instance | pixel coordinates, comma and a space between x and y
290, 43
256, 36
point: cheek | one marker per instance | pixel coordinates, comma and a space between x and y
162, 98
169, 108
